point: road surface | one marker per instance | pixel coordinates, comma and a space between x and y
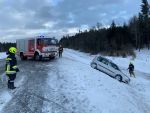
42, 88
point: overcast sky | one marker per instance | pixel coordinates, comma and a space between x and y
27, 18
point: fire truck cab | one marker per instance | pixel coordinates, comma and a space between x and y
37, 47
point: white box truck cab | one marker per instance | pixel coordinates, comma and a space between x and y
38, 48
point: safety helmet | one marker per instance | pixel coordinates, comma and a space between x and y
131, 63
12, 50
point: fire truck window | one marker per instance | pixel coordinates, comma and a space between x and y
32, 42
38, 42
53, 41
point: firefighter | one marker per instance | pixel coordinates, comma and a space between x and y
11, 67
60, 50
131, 69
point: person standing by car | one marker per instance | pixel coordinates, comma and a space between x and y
60, 50
131, 69
11, 67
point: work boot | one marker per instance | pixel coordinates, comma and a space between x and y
9, 84
12, 86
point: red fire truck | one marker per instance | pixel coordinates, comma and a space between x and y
38, 47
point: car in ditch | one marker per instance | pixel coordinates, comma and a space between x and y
108, 67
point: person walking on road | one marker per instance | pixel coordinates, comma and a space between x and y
60, 50
131, 69
11, 67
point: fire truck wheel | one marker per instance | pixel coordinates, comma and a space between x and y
23, 57
37, 57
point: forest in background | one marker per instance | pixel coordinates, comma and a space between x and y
115, 40
5, 46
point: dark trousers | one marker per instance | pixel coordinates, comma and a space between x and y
60, 54
131, 73
11, 81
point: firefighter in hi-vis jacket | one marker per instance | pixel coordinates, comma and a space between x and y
11, 67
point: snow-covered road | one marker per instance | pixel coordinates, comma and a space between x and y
70, 85
30, 81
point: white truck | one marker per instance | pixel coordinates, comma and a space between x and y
37, 47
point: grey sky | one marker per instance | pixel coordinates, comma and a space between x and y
26, 18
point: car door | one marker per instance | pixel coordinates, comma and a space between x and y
114, 68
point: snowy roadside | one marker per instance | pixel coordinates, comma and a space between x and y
3, 55
4, 98
73, 86
89, 91
6, 94
141, 62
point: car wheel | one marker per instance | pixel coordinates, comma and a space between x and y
93, 65
119, 78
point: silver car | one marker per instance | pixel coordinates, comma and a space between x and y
107, 66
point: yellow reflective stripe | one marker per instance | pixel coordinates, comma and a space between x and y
8, 59
10, 72
8, 68
14, 67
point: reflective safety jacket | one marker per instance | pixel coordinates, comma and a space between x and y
131, 67
11, 64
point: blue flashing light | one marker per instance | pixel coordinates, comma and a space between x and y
41, 36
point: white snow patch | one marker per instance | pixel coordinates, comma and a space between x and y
4, 98
6, 94
19, 81
3, 55
141, 62
90, 91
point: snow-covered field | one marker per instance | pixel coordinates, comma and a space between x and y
86, 90
3, 55
90, 91
142, 61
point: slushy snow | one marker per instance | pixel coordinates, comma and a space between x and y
3, 55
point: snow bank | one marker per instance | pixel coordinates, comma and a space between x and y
90, 91
3, 55
141, 62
